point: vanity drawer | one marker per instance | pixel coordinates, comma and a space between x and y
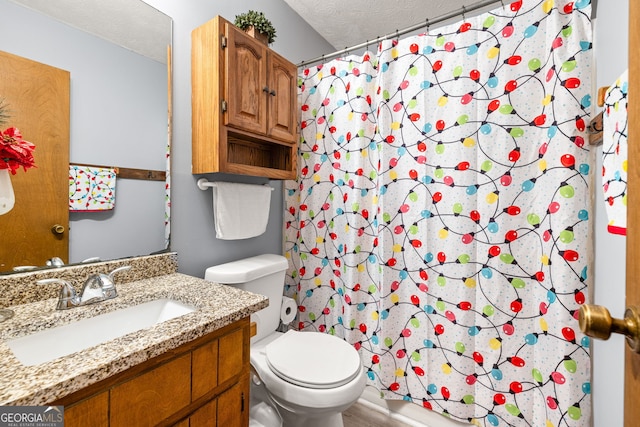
166, 389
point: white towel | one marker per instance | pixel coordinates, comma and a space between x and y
240, 211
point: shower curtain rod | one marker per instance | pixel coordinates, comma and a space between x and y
462, 11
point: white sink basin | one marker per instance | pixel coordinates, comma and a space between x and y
49, 344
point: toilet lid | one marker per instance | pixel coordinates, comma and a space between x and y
313, 359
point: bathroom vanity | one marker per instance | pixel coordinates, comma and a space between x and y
202, 383
190, 370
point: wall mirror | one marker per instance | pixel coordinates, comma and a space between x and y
117, 53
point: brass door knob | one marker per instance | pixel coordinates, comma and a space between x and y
595, 321
57, 229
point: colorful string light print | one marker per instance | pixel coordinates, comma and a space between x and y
440, 221
614, 154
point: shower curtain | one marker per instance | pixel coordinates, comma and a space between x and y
440, 220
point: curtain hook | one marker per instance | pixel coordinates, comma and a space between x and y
502, 3
464, 11
397, 36
428, 25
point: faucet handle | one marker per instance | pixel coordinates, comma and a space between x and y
55, 262
106, 282
67, 298
118, 270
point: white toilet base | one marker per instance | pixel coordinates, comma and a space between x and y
295, 420
263, 415
265, 412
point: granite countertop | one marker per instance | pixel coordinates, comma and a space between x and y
217, 306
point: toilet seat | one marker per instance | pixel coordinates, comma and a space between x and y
313, 359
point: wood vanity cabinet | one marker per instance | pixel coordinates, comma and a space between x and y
244, 103
202, 383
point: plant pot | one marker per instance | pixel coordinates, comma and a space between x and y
263, 38
7, 198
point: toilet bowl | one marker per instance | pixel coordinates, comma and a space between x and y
309, 377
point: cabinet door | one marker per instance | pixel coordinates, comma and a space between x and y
233, 405
204, 369
283, 97
232, 359
91, 412
246, 90
154, 395
205, 416
183, 423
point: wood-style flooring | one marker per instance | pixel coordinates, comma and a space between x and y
360, 416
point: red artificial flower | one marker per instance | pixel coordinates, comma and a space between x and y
15, 151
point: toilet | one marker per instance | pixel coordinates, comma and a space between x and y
307, 378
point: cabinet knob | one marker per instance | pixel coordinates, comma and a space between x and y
57, 229
265, 89
272, 92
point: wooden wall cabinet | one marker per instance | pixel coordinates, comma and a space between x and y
244, 103
202, 383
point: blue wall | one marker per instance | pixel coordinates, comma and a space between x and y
193, 233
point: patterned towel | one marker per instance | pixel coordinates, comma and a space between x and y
91, 188
614, 155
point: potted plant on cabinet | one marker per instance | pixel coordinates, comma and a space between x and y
256, 25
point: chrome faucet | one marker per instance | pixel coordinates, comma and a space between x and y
101, 286
97, 287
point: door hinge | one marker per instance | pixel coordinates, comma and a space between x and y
242, 402
223, 41
223, 105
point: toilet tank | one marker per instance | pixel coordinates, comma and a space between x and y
262, 274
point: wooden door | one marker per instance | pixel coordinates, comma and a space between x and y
246, 90
37, 97
283, 97
632, 360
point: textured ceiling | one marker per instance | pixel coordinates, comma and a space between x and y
141, 28
132, 24
345, 24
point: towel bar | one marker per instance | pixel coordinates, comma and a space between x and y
203, 184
